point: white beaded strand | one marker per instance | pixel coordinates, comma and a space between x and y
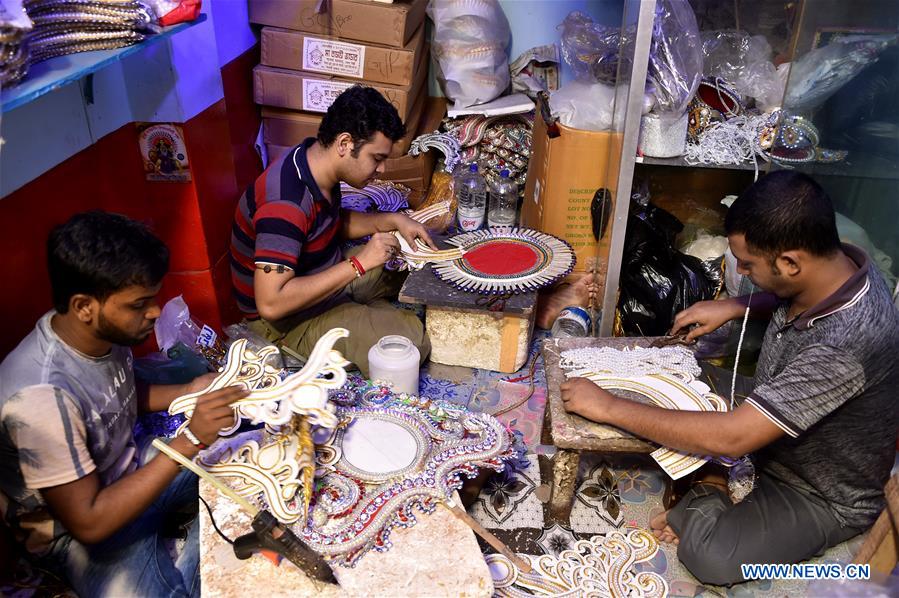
639, 361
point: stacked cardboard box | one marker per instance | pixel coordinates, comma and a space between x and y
308, 58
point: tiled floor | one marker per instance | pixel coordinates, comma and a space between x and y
613, 493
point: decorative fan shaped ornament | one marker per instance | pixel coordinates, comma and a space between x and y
506, 260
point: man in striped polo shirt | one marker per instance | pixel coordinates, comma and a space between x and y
821, 417
290, 277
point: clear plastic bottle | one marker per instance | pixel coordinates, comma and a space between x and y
503, 202
572, 321
471, 195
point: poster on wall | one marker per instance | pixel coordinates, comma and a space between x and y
163, 152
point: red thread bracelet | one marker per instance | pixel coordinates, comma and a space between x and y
357, 265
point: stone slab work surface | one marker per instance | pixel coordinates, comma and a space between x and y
438, 556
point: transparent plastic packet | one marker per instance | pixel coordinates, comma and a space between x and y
744, 61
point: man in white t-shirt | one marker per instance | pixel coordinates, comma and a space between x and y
68, 402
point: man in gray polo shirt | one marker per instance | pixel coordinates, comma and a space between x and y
822, 418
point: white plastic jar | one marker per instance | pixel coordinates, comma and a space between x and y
395, 359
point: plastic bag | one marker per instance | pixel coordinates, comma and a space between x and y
745, 62
170, 12
590, 49
820, 73
657, 281
675, 57
583, 105
176, 326
470, 40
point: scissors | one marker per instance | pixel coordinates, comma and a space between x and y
671, 340
493, 302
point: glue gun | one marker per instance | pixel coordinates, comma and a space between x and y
268, 534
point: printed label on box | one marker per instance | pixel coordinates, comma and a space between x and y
336, 58
319, 95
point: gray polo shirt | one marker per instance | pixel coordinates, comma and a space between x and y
828, 378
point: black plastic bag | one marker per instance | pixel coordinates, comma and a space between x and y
657, 281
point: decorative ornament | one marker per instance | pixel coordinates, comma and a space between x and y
504, 260
415, 258
444, 142
670, 391
271, 470
272, 400
720, 97
377, 196
603, 566
699, 117
391, 455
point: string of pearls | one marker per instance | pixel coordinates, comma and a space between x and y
639, 361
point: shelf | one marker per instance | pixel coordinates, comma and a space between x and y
49, 75
681, 163
857, 165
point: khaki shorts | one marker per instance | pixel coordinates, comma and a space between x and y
367, 315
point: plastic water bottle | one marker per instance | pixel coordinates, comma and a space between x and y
503, 202
572, 321
471, 196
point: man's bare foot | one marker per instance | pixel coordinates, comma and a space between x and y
661, 530
553, 301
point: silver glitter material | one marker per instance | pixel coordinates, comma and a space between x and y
663, 137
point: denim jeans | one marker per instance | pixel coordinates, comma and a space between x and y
134, 561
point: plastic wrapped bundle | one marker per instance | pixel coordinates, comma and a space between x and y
14, 26
591, 49
675, 64
470, 39
68, 26
745, 61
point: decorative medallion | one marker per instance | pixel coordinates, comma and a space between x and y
506, 260
390, 456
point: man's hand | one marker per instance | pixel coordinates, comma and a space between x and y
214, 413
379, 249
583, 397
411, 230
706, 316
200, 382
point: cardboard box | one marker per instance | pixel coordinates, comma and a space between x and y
295, 50
415, 171
315, 92
564, 174
389, 24
289, 127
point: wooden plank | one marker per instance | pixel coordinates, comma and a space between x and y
881, 547
423, 287
508, 350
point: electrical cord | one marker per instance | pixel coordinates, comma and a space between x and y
212, 519
528, 396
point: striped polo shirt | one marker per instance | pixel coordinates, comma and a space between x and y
283, 219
